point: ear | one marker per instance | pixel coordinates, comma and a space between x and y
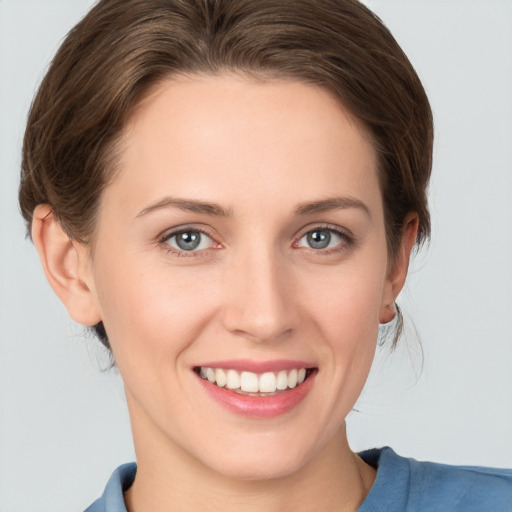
66, 265
398, 268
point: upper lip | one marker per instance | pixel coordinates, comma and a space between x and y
250, 365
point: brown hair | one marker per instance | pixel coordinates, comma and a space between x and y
121, 48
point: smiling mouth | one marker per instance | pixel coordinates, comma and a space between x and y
254, 384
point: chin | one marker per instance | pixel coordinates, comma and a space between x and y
263, 469
262, 457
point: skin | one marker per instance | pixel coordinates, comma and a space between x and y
255, 289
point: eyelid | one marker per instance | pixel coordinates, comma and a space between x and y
166, 235
346, 235
343, 232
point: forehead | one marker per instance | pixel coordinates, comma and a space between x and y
233, 136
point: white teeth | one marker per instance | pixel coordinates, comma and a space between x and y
267, 383
282, 380
292, 378
232, 379
220, 377
249, 382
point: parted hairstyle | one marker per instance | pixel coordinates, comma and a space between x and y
122, 48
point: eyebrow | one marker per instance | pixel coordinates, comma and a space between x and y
309, 208
189, 205
332, 203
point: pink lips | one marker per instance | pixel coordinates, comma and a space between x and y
259, 406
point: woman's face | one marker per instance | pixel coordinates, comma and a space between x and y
244, 233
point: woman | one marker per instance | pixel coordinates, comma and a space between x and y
229, 192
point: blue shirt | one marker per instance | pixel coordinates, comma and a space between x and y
402, 485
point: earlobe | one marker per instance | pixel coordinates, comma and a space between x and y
387, 313
63, 264
398, 270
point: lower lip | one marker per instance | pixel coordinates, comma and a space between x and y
259, 406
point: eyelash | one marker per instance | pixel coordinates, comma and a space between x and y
346, 242
163, 241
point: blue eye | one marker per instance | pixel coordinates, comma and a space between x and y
321, 238
189, 240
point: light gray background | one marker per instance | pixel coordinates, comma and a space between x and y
63, 422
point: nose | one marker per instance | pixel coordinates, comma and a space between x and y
260, 305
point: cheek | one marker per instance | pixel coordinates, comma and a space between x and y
152, 312
346, 311
347, 301
153, 318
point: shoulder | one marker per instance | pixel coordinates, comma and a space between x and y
464, 488
409, 484
112, 498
